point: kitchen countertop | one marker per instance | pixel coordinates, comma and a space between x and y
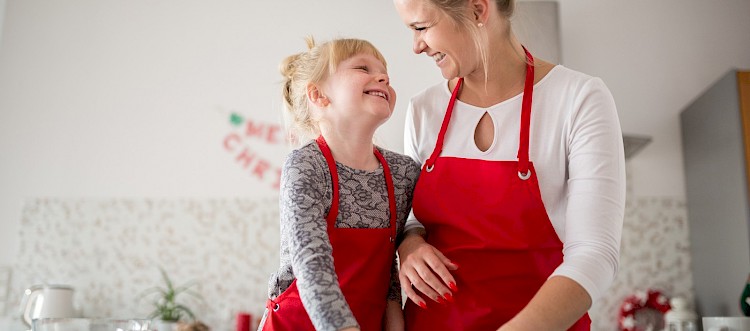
8, 323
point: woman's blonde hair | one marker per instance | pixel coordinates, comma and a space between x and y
312, 67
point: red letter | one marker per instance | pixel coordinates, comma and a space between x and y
245, 158
252, 130
230, 139
272, 131
260, 167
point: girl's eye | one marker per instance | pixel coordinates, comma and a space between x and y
363, 68
420, 28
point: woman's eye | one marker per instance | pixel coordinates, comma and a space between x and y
363, 68
420, 28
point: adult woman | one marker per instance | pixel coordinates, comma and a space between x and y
502, 196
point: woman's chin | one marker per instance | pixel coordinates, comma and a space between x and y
448, 74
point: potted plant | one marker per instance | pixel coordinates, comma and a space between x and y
167, 310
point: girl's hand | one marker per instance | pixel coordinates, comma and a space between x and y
426, 269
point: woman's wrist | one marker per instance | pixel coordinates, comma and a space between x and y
413, 238
416, 232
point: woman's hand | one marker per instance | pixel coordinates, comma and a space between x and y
426, 269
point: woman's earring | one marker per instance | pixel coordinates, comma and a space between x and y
480, 24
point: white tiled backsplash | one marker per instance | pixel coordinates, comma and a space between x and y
654, 254
110, 251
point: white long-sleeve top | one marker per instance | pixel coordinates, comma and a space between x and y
576, 148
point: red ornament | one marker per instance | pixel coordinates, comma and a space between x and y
650, 299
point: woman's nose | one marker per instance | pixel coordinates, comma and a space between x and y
418, 45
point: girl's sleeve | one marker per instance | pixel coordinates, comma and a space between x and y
304, 202
394, 293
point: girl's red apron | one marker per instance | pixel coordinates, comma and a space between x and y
488, 217
362, 258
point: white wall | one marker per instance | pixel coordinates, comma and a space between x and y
2, 16
656, 57
110, 98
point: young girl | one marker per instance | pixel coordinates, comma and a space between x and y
343, 200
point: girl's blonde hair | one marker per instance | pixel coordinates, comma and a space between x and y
312, 67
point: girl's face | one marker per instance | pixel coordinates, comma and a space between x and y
359, 90
436, 35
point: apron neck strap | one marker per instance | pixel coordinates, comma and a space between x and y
528, 92
444, 127
334, 211
523, 146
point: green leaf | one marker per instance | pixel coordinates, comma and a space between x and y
164, 299
236, 119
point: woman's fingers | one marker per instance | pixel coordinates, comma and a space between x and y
441, 266
425, 271
437, 276
448, 263
424, 280
409, 291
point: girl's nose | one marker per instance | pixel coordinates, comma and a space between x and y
383, 78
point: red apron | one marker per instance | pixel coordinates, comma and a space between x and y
362, 258
489, 218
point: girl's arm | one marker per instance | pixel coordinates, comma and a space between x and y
303, 210
394, 317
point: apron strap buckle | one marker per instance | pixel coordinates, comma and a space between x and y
524, 176
271, 304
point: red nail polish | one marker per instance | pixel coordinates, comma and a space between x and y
448, 297
423, 305
453, 286
440, 300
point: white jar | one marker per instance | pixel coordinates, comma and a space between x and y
680, 317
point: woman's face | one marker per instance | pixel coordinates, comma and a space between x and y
439, 37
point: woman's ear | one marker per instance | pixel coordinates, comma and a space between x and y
316, 96
481, 10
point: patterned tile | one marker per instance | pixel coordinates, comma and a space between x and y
110, 251
654, 254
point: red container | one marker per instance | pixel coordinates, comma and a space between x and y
243, 321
